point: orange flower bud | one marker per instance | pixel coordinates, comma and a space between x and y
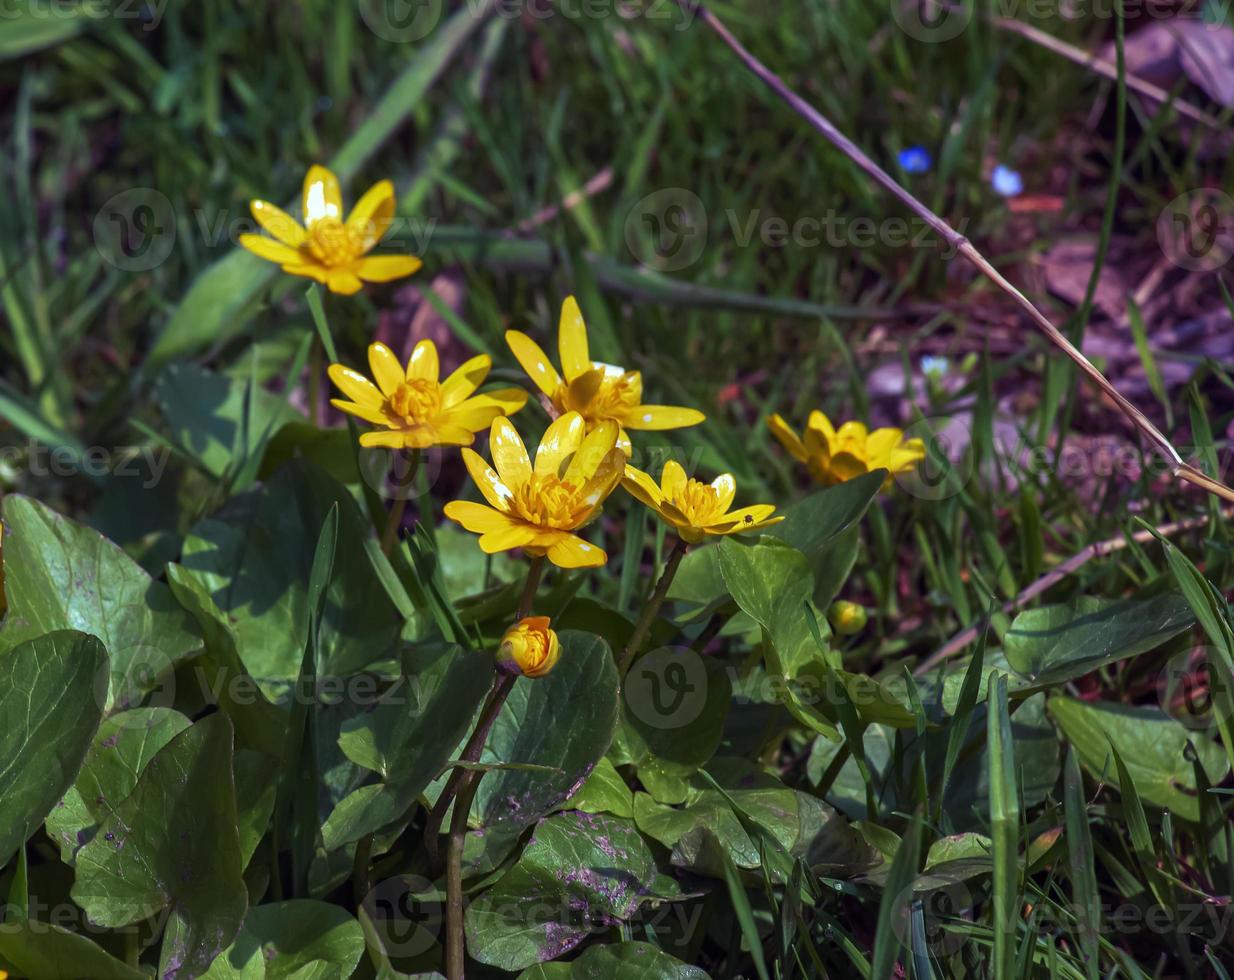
530, 648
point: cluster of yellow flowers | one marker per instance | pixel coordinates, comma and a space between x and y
536, 506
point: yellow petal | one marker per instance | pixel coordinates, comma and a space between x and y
370, 218
672, 480
880, 444
387, 371
572, 340
534, 361
656, 418
591, 452
512, 536
604, 480
508, 453
322, 197
846, 466
582, 389
748, 515
819, 423
476, 517
384, 268
360, 411
386, 439
278, 223
343, 282
642, 486
725, 487
571, 551
787, 438
560, 439
743, 526
852, 433
268, 248
356, 386
487, 480
449, 433
476, 414
309, 269
465, 380
424, 364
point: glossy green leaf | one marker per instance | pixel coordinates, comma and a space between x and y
300, 939
1055, 644
123, 746
254, 557
50, 952
51, 692
173, 847
565, 720
1151, 744
578, 867
617, 961
213, 419
60, 575
408, 736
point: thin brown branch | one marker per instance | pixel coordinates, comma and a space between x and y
1106, 68
1180, 469
1055, 575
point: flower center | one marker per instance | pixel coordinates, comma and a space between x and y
416, 401
698, 502
332, 243
618, 394
546, 501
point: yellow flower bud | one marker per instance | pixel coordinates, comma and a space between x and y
530, 648
847, 618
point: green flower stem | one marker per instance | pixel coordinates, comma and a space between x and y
648, 616
395, 519
463, 785
488, 715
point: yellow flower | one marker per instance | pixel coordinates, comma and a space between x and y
416, 410
697, 510
836, 455
529, 648
598, 392
537, 509
326, 247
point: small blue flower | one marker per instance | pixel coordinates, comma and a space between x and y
916, 160
935, 366
1007, 182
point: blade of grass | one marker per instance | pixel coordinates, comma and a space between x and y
1004, 804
